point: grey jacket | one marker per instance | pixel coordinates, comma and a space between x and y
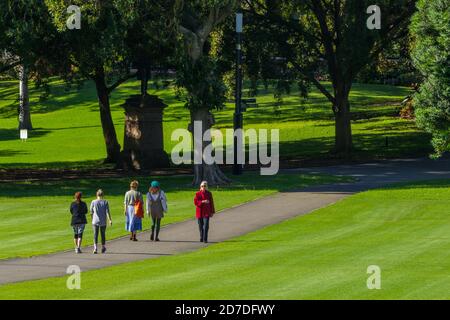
100, 212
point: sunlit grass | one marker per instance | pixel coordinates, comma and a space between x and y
322, 255
35, 217
67, 131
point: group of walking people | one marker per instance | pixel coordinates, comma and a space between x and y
100, 213
155, 206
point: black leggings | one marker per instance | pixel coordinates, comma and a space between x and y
156, 223
102, 234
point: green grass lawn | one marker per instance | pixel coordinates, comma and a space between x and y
67, 131
35, 216
323, 255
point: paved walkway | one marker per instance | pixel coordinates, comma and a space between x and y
183, 237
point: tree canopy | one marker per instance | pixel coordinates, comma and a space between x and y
431, 55
112, 36
306, 36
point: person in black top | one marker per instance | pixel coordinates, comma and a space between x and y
78, 209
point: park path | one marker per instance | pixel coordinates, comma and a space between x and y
183, 237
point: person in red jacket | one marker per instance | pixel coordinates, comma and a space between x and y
204, 205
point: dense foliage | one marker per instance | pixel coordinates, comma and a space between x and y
431, 55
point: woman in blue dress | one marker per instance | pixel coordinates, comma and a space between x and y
133, 222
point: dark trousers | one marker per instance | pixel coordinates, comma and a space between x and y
203, 227
156, 224
102, 234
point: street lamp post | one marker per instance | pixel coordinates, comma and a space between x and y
238, 119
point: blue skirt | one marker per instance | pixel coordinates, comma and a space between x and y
133, 223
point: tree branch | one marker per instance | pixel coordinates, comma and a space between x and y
394, 27
215, 17
86, 75
314, 81
10, 66
320, 14
120, 81
197, 38
280, 21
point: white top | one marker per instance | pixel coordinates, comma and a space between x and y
154, 196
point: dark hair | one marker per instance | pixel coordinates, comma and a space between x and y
78, 196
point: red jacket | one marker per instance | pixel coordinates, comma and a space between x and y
204, 210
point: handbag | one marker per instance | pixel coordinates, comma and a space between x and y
138, 209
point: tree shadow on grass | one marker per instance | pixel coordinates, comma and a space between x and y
366, 146
9, 95
423, 184
61, 165
59, 98
117, 186
14, 134
371, 114
295, 112
11, 153
79, 127
289, 112
391, 126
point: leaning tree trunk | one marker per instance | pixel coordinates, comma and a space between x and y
204, 171
195, 42
24, 105
109, 132
343, 128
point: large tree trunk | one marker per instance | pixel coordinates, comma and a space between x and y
109, 132
24, 106
343, 128
204, 171
195, 41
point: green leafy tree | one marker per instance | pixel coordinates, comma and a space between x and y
113, 35
151, 34
393, 66
150, 38
27, 33
310, 34
431, 55
97, 51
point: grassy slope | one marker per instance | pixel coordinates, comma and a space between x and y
321, 255
35, 217
68, 133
